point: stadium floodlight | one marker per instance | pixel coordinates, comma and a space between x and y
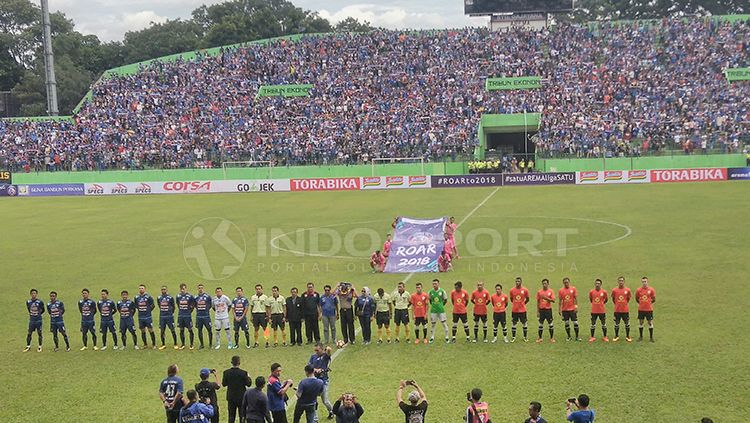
49, 61
399, 160
247, 164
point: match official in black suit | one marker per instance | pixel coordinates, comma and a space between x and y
236, 381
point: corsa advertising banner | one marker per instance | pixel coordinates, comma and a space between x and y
186, 187
395, 182
416, 246
689, 175
325, 184
613, 177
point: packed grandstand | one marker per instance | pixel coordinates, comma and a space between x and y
607, 90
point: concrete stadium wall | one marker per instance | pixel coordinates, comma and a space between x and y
641, 163
396, 169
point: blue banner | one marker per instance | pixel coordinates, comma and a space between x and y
46, 190
416, 246
738, 173
8, 190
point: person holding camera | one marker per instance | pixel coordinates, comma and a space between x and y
478, 411
255, 404
346, 295
196, 411
535, 413
582, 414
276, 393
308, 391
347, 409
416, 409
208, 390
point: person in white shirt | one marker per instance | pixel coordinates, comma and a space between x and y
221, 305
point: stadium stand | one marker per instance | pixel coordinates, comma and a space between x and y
608, 89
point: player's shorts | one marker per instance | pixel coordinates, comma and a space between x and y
35, 325
401, 316
570, 315
221, 323
107, 325
434, 317
57, 326
146, 323
242, 324
203, 322
185, 322
460, 316
383, 318
277, 321
259, 320
624, 316
498, 318
166, 322
545, 314
420, 321
127, 324
648, 315
87, 326
518, 316
600, 316
482, 317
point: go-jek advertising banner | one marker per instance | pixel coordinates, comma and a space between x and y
416, 246
613, 177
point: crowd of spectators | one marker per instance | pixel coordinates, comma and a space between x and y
607, 90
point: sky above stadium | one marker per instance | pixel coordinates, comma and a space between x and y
110, 19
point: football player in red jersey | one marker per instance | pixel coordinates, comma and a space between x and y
480, 297
598, 298
544, 299
459, 299
621, 298
519, 296
499, 304
419, 302
568, 307
646, 297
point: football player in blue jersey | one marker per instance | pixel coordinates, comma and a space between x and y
185, 305
166, 317
87, 307
56, 310
126, 308
241, 306
145, 305
203, 315
35, 307
107, 309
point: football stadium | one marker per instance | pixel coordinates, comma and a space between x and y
262, 213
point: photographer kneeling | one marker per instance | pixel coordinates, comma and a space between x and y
347, 409
582, 414
196, 411
478, 411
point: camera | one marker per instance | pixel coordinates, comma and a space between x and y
411, 382
213, 370
572, 400
468, 396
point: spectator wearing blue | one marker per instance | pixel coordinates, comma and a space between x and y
196, 411
320, 361
582, 414
329, 309
255, 404
535, 413
170, 392
365, 310
308, 391
277, 396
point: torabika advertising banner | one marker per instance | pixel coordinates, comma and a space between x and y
689, 175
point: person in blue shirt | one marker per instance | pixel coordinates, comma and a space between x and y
196, 411
87, 307
170, 393
276, 393
329, 308
185, 306
126, 308
364, 307
241, 306
107, 309
145, 305
35, 307
166, 317
203, 315
583, 414
56, 309
320, 361
308, 391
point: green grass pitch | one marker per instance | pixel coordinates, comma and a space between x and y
690, 239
